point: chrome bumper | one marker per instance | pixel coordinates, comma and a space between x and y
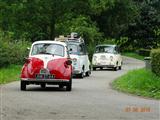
45, 80
104, 66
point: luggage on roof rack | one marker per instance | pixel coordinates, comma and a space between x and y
74, 37
61, 38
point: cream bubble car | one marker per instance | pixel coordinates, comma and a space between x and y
107, 56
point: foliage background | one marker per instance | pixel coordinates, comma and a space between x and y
155, 61
132, 24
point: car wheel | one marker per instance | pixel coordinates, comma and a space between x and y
43, 85
94, 68
82, 74
69, 85
115, 68
88, 73
23, 85
120, 67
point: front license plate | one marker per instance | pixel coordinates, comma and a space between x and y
103, 63
44, 76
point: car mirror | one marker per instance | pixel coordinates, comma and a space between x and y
28, 48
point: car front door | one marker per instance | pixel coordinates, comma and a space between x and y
84, 57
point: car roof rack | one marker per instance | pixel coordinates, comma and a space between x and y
73, 37
61, 38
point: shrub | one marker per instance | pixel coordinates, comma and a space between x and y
12, 51
155, 61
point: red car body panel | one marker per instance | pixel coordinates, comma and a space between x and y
57, 67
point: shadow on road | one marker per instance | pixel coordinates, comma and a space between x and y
47, 89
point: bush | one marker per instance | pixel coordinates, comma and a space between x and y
155, 61
144, 52
12, 51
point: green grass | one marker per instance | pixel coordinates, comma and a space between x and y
140, 82
10, 73
133, 55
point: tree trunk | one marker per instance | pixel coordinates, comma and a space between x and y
52, 28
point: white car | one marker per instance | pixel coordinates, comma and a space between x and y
107, 56
78, 54
80, 60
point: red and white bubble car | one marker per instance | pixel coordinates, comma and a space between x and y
48, 63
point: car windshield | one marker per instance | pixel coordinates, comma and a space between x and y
73, 49
48, 48
104, 49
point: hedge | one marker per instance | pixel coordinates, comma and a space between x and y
155, 61
13, 53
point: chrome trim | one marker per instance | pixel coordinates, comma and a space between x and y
45, 80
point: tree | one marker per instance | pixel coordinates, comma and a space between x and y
144, 32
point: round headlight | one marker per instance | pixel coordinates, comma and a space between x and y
74, 59
111, 58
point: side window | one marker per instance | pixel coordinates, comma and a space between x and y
116, 50
82, 49
85, 49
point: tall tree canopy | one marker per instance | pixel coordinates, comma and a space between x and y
95, 20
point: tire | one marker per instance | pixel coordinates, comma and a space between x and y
43, 85
69, 85
115, 68
82, 74
101, 68
94, 68
120, 67
23, 85
88, 73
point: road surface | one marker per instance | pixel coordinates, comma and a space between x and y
92, 98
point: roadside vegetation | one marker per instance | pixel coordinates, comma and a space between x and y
133, 55
120, 22
140, 82
10, 73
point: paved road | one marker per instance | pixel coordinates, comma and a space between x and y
91, 99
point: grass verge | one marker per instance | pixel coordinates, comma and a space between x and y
133, 55
10, 73
140, 82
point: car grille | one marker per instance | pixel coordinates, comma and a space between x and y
103, 57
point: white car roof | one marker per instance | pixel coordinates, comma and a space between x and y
106, 45
49, 41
